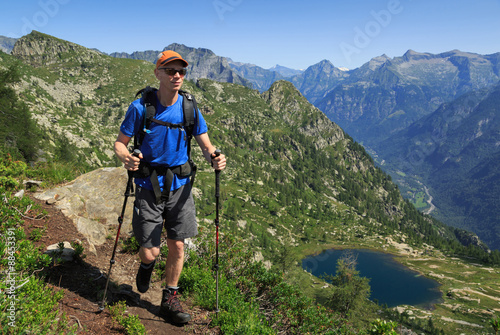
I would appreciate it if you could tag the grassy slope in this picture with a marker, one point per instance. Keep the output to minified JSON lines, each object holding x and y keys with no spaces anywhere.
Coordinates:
{"x":282,"y":185}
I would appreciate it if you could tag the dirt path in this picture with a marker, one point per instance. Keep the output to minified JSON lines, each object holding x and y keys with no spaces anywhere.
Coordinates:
{"x":83,"y":285}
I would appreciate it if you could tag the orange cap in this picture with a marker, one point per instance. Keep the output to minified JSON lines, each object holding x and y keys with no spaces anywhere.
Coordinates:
{"x":167,"y":57}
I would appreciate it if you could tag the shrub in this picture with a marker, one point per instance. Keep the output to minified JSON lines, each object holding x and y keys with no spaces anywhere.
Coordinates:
{"x":131,"y":323}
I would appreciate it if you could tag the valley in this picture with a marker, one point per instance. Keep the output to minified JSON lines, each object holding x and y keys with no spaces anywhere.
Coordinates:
{"x":385,"y":100}
{"x":297,"y":183}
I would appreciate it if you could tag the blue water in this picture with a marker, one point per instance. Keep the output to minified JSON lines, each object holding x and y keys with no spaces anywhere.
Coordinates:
{"x":391,"y":282}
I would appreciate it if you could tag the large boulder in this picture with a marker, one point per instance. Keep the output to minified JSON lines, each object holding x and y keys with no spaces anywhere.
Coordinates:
{"x":94,"y":202}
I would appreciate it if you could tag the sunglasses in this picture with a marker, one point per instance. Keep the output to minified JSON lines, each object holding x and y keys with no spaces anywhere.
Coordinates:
{"x":172,"y":72}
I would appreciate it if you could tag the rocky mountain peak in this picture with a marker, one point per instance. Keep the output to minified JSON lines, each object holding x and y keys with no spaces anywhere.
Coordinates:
{"x":39,"y":49}
{"x":325,"y":63}
{"x":325,"y":66}
{"x":203,"y":63}
{"x":373,"y":64}
{"x":286,"y":99}
{"x":278,"y":91}
{"x":285,"y":71}
{"x":413,"y":55}
{"x":185,"y":50}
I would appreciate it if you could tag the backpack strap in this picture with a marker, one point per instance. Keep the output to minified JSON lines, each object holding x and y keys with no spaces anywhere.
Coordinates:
{"x":190,"y":107}
{"x":148,"y":98}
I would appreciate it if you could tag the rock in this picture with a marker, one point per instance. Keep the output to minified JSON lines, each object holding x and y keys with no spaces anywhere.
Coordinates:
{"x":93,"y":230}
{"x":67,"y":252}
{"x":196,"y":193}
{"x":258,"y":257}
{"x":189,"y":244}
{"x":19,"y":194}
{"x":93,"y":202}
{"x":51,"y":201}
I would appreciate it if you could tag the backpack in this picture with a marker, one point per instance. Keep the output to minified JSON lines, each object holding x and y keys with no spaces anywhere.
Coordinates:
{"x":188,"y":169}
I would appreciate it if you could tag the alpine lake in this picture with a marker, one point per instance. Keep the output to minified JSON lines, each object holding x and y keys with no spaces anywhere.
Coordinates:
{"x":391,"y":283}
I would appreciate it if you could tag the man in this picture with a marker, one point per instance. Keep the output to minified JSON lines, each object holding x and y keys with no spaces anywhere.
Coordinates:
{"x":164,"y":147}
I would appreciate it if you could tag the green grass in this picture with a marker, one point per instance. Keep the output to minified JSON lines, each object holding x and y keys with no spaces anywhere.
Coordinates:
{"x":420,"y":201}
{"x":28,"y":305}
{"x":54,"y":172}
{"x":253,"y":300}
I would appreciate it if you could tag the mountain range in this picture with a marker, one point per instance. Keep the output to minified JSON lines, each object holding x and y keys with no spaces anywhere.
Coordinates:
{"x":386,"y":95}
{"x":7,"y":43}
{"x":383,"y":104}
{"x":456,"y":150}
{"x":78,"y":101}
{"x":294,"y":176}
{"x":381,"y":101}
{"x":203,"y":63}
{"x":378,"y":104}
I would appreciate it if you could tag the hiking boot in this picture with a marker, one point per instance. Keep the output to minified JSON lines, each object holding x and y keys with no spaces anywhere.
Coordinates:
{"x":171,"y":308}
{"x":143,"y":277}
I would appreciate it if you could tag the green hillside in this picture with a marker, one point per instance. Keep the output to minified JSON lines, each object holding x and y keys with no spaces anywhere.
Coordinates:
{"x":295,"y":183}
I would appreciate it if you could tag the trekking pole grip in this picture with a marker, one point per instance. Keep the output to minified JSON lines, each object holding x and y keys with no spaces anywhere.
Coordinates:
{"x":216,"y":153}
{"x":130,"y":174}
{"x":135,"y":153}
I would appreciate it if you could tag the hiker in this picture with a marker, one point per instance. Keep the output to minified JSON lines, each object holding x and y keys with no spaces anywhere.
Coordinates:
{"x":164,"y":159}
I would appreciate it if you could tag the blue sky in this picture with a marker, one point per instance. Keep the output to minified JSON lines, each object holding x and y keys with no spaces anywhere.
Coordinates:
{"x":291,"y":33}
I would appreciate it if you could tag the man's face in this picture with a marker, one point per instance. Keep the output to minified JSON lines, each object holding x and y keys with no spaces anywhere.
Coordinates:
{"x":169,"y":75}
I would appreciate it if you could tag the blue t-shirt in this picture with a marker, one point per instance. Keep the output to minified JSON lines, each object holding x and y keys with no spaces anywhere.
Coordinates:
{"x":163,"y":146}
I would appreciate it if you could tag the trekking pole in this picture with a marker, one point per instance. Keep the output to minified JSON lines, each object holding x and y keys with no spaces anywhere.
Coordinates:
{"x":216,"y":266}
{"x":128,"y":189}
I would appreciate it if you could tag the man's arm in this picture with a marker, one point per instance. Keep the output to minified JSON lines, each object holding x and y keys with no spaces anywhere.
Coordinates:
{"x":130,"y":162}
{"x":218,"y":163}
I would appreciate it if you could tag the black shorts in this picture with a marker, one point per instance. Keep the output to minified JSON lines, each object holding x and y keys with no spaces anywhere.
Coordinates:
{"x":178,"y":215}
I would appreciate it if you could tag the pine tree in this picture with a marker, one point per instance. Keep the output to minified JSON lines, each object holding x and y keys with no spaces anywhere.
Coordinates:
{"x":349,"y":291}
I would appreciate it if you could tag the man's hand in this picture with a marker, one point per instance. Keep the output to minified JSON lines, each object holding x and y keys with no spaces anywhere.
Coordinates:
{"x":218,"y":161}
{"x":131,"y":162}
